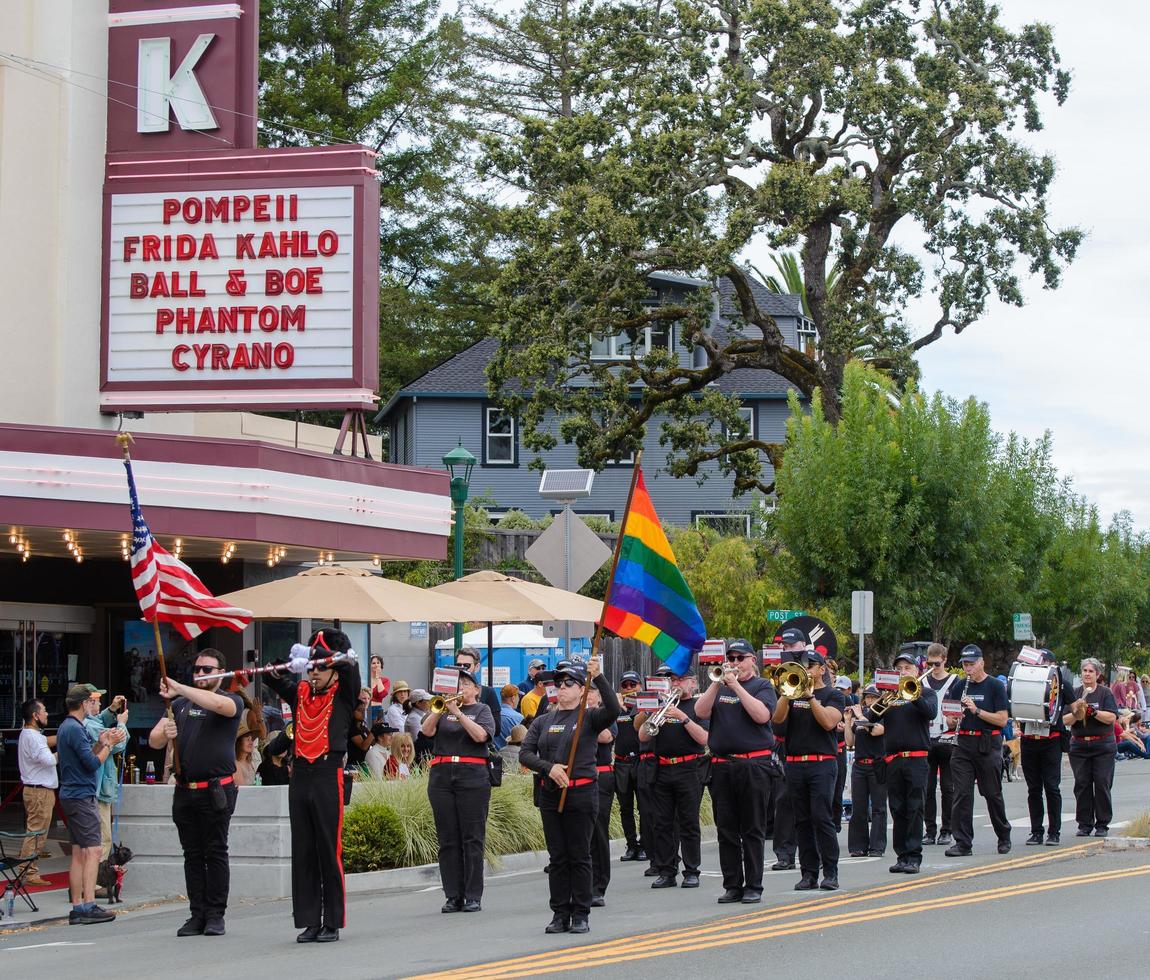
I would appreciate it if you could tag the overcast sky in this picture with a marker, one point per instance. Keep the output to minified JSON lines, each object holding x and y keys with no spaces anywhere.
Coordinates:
{"x":1077,"y":361}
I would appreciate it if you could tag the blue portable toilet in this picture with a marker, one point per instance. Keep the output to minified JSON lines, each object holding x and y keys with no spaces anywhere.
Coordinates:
{"x":516,"y":645}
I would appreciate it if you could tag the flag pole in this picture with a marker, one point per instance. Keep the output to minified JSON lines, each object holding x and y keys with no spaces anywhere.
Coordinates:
{"x":125,"y":440}
{"x":599,"y":625}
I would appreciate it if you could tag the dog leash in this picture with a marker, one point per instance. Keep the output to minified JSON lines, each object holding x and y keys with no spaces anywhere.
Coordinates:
{"x":120,"y":767}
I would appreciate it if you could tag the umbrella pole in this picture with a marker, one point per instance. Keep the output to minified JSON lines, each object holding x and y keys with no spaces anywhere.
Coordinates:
{"x":599,"y":627}
{"x":490,"y":654}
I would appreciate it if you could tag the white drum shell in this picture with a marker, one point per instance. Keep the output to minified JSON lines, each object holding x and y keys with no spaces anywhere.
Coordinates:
{"x":1028,"y":689}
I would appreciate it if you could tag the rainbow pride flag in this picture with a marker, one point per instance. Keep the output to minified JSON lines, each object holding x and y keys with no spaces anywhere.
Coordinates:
{"x":650,"y":600}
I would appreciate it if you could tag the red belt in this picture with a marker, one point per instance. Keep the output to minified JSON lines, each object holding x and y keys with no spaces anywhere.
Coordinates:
{"x":583,"y":782}
{"x":810,"y":758}
{"x":907,"y":755}
{"x":863,"y":762}
{"x":627,"y":758}
{"x":762,"y":753}
{"x":604,"y":768}
{"x":1039,"y":738}
{"x":646,"y":755}
{"x":677,"y":759}
{"x":842,"y":745}
{"x":469,"y":759}
{"x":1090,"y":738}
{"x":983,"y":731}
{"x":207,"y":782}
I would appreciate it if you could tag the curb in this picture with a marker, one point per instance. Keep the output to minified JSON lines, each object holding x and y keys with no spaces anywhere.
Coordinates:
{"x":56,"y":919}
{"x":1125,"y":843}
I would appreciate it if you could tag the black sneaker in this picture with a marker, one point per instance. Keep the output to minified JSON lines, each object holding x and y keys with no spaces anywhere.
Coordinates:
{"x":641,"y":856}
{"x":910,"y":868}
{"x":308,"y":935}
{"x":898,"y":867}
{"x":470,"y":905}
{"x":664,"y":881}
{"x":1082,"y":833}
{"x":327,"y":934}
{"x":829,"y":883}
{"x":651,"y":873}
{"x":1035,"y":838}
{"x":579,"y":924}
{"x":90,"y":917}
{"x":731,"y":896}
{"x":690,"y":879}
{"x":214,"y":926}
{"x":807,"y":883}
{"x":752,"y":896}
{"x":1004,"y":846}
{"x":945,"y":838}
{"x":1053,"y":839}
{"x":957,"y":851}
{"x":452,"y":905}
{"x":558,"y":924}
{"x":631,"y":854}
{"x":928,"y":839}
{"x":193,"y":927}
{"x":598,"y":901}
{"x":1102,"y":832}
{"x":783,"y":866}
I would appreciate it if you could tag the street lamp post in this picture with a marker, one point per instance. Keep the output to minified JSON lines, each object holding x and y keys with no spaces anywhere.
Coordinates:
{"x":459,"y":463}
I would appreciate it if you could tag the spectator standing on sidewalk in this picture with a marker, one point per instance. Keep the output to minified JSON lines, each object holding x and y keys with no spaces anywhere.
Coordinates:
{"x":38,"y":775}
{"x":107,"y":783}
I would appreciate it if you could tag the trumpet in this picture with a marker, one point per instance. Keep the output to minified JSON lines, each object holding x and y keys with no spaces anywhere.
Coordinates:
{"x":909,"y":689}
{"x":792,"y":681}
{"x":652,"y":725}
{"x":439,"y":703}
{"x":717,"y":673}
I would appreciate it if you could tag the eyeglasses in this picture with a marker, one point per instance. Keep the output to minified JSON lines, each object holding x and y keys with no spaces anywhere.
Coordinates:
{"x":630,"y":684}
{"x":568,"y":682}
{"x":732,"y":657}
{"x":204,"y":669}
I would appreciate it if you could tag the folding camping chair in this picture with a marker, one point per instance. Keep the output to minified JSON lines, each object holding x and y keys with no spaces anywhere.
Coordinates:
{"x":14,"y":869}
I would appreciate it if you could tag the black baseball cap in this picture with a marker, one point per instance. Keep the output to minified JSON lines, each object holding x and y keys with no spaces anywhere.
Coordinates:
{"x":577,"y":672}
{"x":870,"y":689}
{"x":740,"y":646}
{"x":793,"y":635}
{"x":970,"y":652}
{"x":664,"y":671}
{"x":631,"y":676}
{"x":906,"y":654}
{"x":470,"y":676}
{"x":812,"y":657}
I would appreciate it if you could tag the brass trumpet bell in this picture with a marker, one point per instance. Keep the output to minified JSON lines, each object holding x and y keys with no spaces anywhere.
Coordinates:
{"x":792,"y":681}
{"x":716,"y":673}
{"x":439,"y":703}
{"x":909,"y":689}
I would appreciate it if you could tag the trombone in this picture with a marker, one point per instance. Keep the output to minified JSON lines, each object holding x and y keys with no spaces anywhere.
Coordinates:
{"x":909,"y":689}
{"x":792,"y":681}
{"x":439,"y":703}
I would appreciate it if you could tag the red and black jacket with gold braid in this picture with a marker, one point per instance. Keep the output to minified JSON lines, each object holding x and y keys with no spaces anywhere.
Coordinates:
{"x":321,"y":721}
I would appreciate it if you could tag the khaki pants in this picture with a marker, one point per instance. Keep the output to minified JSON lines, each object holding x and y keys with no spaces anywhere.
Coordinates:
{"x":105,"y":829}
{"x":38,"y":805}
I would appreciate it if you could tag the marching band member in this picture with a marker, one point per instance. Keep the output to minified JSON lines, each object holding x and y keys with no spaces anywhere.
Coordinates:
{"x":1042,"y":765}
{"x":601,"y":834}
{"x":323,"y":707}
{"x":784,"y":841}
{"x":677,"y":791}
{"x":906,"y":738}
{"x":459,"y":790}
{"x":977,"y":758}
{"x":739,"y":709}
{"x":832,"y":678}
{"x":942,"y":738}
{"x":627,"y":772}
{"x":1091,"y":719}
{"x":545,"y":752}
{"x":866,"y":834}
{"x":812,"y":769}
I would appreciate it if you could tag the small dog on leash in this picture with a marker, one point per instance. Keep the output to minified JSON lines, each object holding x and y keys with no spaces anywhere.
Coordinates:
{"x":111,"y":874}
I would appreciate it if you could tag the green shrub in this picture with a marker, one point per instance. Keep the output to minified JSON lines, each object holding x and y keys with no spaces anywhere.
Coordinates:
{"x":371,"y":838}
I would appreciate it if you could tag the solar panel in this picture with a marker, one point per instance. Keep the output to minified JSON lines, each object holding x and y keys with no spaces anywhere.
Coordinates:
{"x":566,"y":484}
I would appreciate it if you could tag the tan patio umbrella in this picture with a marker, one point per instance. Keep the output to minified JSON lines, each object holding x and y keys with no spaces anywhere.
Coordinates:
{"x":332,"y":592}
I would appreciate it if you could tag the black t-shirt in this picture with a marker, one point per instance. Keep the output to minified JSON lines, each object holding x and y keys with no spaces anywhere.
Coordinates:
{"x":355,"y":755}
{"x":990,"y":695}
{"x":627,"y":739}
{"x":673,"y":740}
{"x":605,"y":751}
{"x":273,"y":775}
{"x":1101,"y":699}
{"x":206,"y":741}
{"x":867,"y":746}
{"x":805,"y":736}
{"x":549,"y":738}
{"x":731,"y":729}
{"x":907,"y":723}
{"x":452,"y":739}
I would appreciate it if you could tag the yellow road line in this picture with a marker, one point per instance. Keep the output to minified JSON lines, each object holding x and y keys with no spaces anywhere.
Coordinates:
{"x":561,"y":964}
{"x":726,"y":923}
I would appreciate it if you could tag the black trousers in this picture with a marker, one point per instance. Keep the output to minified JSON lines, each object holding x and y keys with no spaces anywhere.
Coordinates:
{"x":938,"y":773}
{"x":840,"y":786}
{"x":970,"y":768}
{"x":1093,"y":766}
{"x":867,"y":828}
{"x":601,"y":836}
{"x":906,"y":793}
{"x":460,"y":793}
{"x":631,"y":798}
{"x":1042,"y":769}
{"x":812,"y":789}
{"x":568,"y":836}
{"x":741,"y":795}
{"x":315,"y":803}
{"x":675,"y":797}
{"x":204,"y":838}
{"x":783,"y":841}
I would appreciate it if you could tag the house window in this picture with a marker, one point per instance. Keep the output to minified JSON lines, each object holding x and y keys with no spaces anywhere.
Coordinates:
{"x":498,"y":437}
{"x":607,"y":515}
{"x":808,"y":337}
{"x":628,"y":460}
{"x":747,"y":414}
{"x":495,"y":516}
{"x":724,"y":523}
{"x":620,"y":346}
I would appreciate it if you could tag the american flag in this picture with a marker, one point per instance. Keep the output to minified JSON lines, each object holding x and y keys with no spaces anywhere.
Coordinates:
{"x":168,"y":590}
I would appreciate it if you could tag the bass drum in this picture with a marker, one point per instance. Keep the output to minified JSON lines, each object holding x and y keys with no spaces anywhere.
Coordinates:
{"x":1034,"y":692}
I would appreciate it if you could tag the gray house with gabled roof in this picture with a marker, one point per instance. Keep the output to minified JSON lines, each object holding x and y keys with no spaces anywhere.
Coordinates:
{"x":450,"y":403}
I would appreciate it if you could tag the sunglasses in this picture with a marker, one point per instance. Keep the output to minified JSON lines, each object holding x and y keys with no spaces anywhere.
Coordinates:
{"x":934,"y":663}
{"x":568,"y":682}
{"x":314,"y":667}
{"x":732,"y":657}
{"x":630,"y":684}
{"x":205,"y":669}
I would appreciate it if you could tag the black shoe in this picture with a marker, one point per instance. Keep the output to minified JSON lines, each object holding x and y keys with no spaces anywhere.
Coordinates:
{"x":1004,"y":846}
{"x":929,"y":839}
{"x":875,"y":854}
{"x":558,"y":924}
{"x":957,"y":851}
{"x":1053,"y":840}
{"x":730,"y":896}
{"x":472,"y":905}
{"x":858,"y":854}
{"x":1102,"y":832}
{"x":690,"y":879}
{"x":598,"y":901}
{"x":193,"y":927}
{"x":651,"y":873}
{"x":664,"y":881}
{"x":579,"y":924}
{"x":452,"y":905}
{"x":910,"y":868}
{"x":899,"y":867}
{"x":1035,"y":838}
{"x":641,"y":855}
{"x":783,"y":866}
{"x":1082,"y":833}
{"x":308,"y":935}
{"x":214,"y":926}
{"x":752,"y":896}
{"x":327,"y":934}
{"x":806,"y":883}
{"x":945,"y":838}
{"x":547,"y":868}
{"x":94,"y":916}
{"x":631,"y":854}
{"x":830,"y":883}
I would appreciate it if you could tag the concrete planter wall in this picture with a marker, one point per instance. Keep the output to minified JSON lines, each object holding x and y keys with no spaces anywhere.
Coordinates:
{"x":259,"y":843}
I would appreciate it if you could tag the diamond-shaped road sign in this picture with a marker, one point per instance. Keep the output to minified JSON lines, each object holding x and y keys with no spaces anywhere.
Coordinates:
{"x":588,"y":553}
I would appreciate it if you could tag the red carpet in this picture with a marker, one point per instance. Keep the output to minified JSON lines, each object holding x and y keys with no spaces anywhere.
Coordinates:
{"x":58,"y":879}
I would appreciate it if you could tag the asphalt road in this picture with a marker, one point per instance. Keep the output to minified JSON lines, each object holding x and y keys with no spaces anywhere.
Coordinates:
{"x":1021,"y":915}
